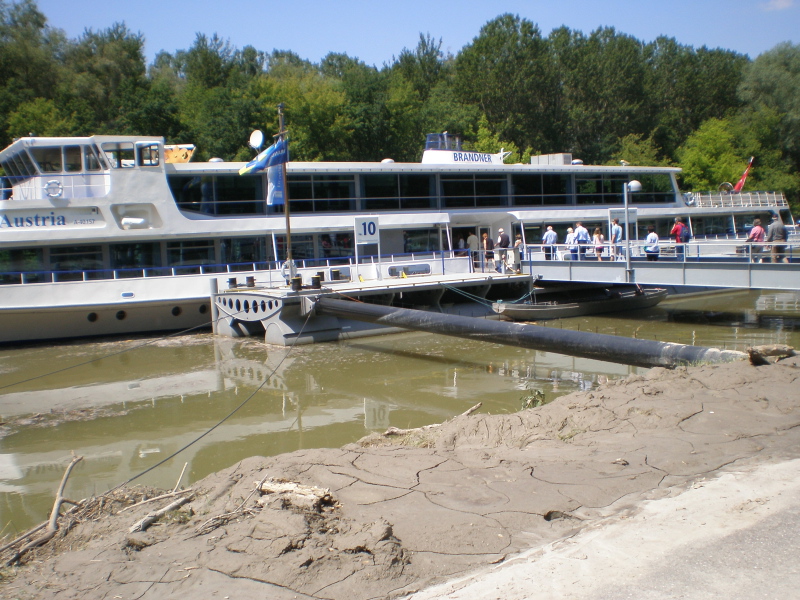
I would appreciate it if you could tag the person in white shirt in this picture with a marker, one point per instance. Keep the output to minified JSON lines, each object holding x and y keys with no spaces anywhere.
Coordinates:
{"x":571,"y":243}
{"x":583,"y":239}
{"x":651,"y":248}
{"x":616,"y":239}
{"x":549,"y":240}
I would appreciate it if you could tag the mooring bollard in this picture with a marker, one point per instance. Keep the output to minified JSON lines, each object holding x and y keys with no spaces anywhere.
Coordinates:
{"x":316,"y":283}
{"x":297,"y":284}
{"x":232,"y":283}
{"x":251,"y":282}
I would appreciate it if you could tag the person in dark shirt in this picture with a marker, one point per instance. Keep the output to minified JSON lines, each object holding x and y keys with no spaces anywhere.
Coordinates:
{"x":776,"y":235}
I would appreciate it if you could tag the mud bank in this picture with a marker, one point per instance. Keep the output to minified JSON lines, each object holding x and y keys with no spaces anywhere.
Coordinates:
{"x":392,"y":515}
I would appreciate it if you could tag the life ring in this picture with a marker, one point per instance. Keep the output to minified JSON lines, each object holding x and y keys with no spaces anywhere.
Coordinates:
{"x":53,"y":188}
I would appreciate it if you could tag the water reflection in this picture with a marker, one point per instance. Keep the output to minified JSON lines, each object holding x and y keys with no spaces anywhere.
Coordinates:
{"x":128,"y":406}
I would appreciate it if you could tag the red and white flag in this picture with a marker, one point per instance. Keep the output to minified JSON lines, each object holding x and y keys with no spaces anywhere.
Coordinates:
{"x":740,"y":184}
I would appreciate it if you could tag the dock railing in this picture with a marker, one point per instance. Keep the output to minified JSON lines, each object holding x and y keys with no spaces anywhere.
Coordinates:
{"x":696,"y":250}
{"x":271,"y":273}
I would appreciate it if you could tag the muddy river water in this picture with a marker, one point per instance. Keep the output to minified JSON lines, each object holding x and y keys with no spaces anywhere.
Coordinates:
{"x":126,"y":405}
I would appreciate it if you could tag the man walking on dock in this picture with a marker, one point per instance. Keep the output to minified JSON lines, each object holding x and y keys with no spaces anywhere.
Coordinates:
{"x":503,"y":242}
{"x":776,"y":235}
{"x":549,"y":240}
{"x":616,"y":239}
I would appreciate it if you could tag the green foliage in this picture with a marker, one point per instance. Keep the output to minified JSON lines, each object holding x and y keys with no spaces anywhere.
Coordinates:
{"x":636,"y":150}
{"x":604,"y":97}
{"x":38,"y":117}
{"x":709,"y":157}
{"x":533,"y":399}
{"x":773,"y":81}
{"x":490,"y":142}
{"x":510,"y":75}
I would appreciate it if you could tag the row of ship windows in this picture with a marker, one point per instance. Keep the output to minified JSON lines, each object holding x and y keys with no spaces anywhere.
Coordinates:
{"x":78,"y":158}
{"x":337,"y":193}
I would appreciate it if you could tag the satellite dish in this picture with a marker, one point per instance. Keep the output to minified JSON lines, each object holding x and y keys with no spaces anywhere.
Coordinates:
{"x":256,"y":139}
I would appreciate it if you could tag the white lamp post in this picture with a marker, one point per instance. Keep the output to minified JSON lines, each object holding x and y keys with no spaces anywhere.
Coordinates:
{"x":629,"y":187}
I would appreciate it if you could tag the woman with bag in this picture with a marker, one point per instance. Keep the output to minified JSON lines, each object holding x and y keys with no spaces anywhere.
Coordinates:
{"x":756,"y":235}
{"x":599,"y":242}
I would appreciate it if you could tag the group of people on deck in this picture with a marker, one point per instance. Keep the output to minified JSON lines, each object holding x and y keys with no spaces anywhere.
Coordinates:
{"x":776,"y":235}
{"x":502,"y":254}
{"x":578,"y":240}
{"x":507,"y":255}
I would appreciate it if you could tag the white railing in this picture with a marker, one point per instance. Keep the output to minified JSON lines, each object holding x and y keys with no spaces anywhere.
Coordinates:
{"x":369,"y":267}
{"x":706,"y":250}
{"x":741,"y":200}
{"x":61,"y":186}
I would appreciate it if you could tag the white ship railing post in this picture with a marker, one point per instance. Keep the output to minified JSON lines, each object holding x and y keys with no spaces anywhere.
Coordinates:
{"x":631,"y":186}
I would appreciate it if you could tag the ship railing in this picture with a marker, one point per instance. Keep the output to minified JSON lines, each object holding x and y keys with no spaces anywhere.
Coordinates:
{"x":736,"y":249}
{"x":740,"y":200}
{"x":276,"y":272}
{"x":59,"y":186}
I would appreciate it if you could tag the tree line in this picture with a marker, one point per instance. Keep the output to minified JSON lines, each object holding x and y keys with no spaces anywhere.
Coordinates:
{"x":604,"y":97}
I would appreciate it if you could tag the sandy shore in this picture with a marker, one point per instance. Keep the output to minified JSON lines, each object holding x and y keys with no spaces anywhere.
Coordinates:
{"x":598,"y":494}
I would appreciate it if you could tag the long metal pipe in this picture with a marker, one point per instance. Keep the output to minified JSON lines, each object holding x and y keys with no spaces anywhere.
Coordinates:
{"x":611,"y":348}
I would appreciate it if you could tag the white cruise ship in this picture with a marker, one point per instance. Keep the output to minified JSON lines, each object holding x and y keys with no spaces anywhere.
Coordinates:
{"x":108,"y":234}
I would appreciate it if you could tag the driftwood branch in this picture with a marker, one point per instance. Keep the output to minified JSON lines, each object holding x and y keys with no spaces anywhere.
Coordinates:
{"x":155,"y":498}
{"x":24,"y":536}
{"x":178,"y":484}
{"x":397,"y":431}
{"x":220,"y":520}
{"x":758,"y":354}
{"x":154,"y":516}
{"x":308,"y":497}
{"x":52,"y":524}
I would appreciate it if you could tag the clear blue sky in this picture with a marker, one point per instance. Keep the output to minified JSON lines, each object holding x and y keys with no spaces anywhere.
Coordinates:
{"x":374,"y":30}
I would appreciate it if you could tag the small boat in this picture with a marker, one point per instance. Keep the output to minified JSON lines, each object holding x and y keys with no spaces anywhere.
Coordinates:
{"x":605,"y":301}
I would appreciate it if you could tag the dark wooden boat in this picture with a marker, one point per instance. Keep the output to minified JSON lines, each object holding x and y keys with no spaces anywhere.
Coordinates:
{"x":604,"y":301}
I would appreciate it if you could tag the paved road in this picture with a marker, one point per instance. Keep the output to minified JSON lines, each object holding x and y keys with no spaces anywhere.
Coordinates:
{"x":732,"y":537}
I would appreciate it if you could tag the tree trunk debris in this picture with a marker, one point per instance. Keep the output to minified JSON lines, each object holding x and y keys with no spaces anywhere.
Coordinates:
{"x":52,"y":524}
{"x":154,"y":516}
{"x":397,"y":431}
{"x":758,"y":354}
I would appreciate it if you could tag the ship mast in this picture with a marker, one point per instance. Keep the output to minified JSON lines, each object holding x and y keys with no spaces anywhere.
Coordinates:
{"x":281,"y":135}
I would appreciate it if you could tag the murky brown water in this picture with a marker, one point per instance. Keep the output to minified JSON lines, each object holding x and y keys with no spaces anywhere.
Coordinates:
{"x":131,"y":404}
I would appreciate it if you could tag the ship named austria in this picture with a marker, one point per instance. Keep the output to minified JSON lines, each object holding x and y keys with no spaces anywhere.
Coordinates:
{"x":106,"y":234}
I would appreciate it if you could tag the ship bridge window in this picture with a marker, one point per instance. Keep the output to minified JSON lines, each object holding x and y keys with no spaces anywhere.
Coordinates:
{"x":219,"y":194}
{"x":190,"y":253}
{"x":381,"y":192}
{"x":119,"y":154}
{"x":48,"y":159}
{"x":72,"y":159}
{"x":398,"y":192}
{"x":600,"y":189}
{"x":540,"y":190}
{"x":471,"y":191}
{"x":76,"y":263}
{"x":129,"y":260}
{"x":16,"y":262}
{"x":19,"y":167}
{"x":656,"y":188}
{"x":417,"y":192}
{"x":321,"y":193}
{"x":240,"y":254}
{"x":92,"y":159}
{"x":147,"y":155}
